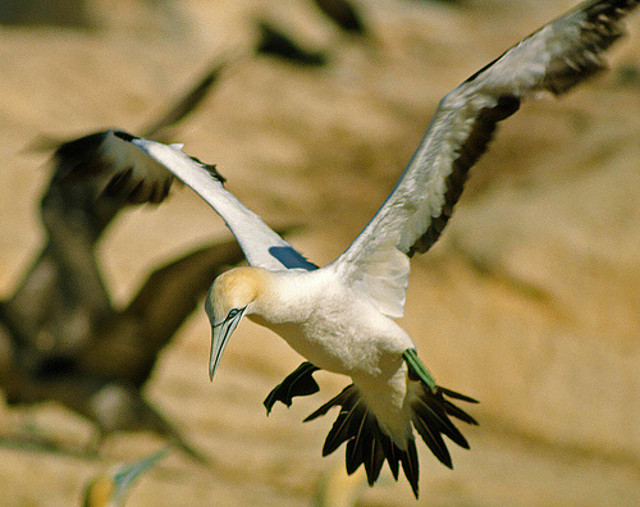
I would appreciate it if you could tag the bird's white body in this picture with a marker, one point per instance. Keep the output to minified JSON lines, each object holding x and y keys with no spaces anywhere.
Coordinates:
{"x":336,"y":329}
{"x":329,"y":323}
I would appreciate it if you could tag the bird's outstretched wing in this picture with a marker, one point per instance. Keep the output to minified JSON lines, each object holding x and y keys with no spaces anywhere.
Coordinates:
{"x":553,"y":60}
{"x":262,"y":246}
{"x":119,"y":168}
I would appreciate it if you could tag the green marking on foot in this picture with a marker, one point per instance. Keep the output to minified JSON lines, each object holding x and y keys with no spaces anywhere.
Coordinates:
{"x":419,"y":369}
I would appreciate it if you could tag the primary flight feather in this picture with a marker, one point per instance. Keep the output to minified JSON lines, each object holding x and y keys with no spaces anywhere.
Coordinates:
{"x":340,"y":317}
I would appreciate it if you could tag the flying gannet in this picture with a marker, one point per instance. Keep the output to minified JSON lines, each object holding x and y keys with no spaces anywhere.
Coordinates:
{"x":341,"y":317}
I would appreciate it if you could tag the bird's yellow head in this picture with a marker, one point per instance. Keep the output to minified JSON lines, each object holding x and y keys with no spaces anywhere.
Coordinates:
{"x":230,"y":298}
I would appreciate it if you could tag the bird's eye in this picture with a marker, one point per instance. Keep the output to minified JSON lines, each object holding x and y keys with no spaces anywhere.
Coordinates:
{"x":233,"y":313}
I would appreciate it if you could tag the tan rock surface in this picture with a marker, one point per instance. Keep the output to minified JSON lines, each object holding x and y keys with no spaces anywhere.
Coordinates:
{"x":530,"y":302}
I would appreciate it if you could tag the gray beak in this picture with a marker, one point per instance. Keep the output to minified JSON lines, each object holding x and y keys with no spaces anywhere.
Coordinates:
{"x":220,"y":334}
{"x":124,"y":478}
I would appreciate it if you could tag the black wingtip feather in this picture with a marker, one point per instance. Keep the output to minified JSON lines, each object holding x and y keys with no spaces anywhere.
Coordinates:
{"x":346,"y":425}
{"x":456,"y":395}
{"x":410,"y":466}
{"x":373,"y":464}
{"x":434,"y":441}
{"x":391,"y":452}
{"x":458,"y":413}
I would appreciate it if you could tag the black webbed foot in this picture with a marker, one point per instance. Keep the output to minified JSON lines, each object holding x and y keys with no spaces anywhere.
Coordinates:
{"x":298,"y":383}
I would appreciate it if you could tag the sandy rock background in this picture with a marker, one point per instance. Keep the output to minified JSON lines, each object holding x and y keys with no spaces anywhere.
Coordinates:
{"x":530,"y":302}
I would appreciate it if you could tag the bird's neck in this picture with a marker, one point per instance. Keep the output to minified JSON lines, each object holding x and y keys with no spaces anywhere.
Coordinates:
{"x":288,"y":297}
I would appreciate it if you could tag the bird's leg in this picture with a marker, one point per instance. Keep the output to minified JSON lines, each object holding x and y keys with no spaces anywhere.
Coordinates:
{"x":298,"y":383}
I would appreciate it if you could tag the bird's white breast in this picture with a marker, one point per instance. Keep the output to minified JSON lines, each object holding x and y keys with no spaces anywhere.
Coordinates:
{"x":336,"y":328}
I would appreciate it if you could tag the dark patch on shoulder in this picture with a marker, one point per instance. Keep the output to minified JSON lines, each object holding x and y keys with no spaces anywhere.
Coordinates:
{"x":290,"y":258}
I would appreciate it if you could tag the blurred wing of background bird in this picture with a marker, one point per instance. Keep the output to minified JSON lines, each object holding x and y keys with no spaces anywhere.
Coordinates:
{"x":344,"y":14}
{"x":185,"y":104}
{"x":273,"y":41}
{"x":127,"y":346}
{"x":62,"y":297}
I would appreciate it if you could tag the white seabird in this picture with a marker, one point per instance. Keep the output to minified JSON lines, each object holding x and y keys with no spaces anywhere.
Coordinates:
{"x":340,"y":317}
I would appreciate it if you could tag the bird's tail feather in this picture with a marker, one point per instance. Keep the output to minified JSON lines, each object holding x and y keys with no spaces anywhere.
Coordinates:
{"x":430,"y":417}
{"x":368,"y":444}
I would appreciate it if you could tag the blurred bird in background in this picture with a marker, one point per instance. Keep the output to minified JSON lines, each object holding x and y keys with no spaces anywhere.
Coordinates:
{"x":111,"y":488}
{"x":64,"y":339}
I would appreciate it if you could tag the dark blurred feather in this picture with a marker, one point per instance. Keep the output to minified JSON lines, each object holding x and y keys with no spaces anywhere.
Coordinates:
{"x":186,"y":103}
{"x":344,"y":14}
{"x":127,"y":345}
{"x":274,"y":42}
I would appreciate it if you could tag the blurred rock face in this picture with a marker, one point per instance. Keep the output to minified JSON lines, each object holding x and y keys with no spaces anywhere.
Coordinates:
{"x":43,"y":12}
{"x":529,"y":302}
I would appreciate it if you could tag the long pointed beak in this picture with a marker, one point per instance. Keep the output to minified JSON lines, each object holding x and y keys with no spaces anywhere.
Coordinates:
{"x":220,"y":334}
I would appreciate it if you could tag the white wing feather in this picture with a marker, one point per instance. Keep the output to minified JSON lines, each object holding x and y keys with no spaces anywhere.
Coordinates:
{"x":262,"y":246}
{"x":553,"y":59}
